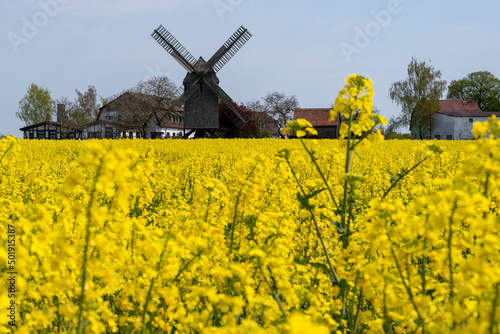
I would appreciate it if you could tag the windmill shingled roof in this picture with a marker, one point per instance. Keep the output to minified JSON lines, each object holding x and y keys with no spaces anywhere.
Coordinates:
{"x":316,"y":116}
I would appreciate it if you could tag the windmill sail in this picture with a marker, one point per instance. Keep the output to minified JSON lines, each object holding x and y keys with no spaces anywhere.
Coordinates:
{"x":237,"y":117}
{"x":229,"y":49}
{"x":174,"y":48}
{"x":202,"y":94}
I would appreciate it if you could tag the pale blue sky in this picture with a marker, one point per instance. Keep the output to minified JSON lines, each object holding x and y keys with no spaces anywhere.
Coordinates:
{"x":305,"y":48}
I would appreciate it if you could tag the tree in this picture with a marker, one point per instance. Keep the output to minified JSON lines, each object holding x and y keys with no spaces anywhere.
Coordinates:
{"x":391,"y":128}
{"x":418,"y":95}
{"x":483,"y":87}
{"x":83,"y":110}
{"x":63,"y":110}
{"x":139,"y":106}
{"x":35,"y":106}
{"x":278,"y":105}
{"x":86,"y":108}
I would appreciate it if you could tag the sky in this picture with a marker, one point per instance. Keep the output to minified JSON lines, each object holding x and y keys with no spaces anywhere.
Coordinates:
{"x":302,"y":48}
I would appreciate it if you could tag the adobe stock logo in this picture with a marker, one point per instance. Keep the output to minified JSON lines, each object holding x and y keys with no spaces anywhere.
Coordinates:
{"x":363,"y":36}
{"x":224,"y":6}
{"x":154,"y":72}
{"x":30,"y":28}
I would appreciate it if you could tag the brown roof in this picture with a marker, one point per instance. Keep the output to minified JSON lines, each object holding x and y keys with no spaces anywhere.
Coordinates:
{"x":261,"y":116}
{"x":463,"y":108}
{"x":316,"y":116}
{"x":266,"y":122}
{"x":161,"y":113}
{"x":68,"y":125}
{"x":470,"y":113}
{"x":458,"y":105}
{"x":165,"y":121}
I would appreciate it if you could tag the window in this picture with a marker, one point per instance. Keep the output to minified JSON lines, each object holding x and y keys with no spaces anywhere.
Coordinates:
{"x":32,"y":135}
{"x":71,"y":135}
{"x":40,"y":134}
{"x":52,"y":134}
{"x":179,"y":134}
{"x":156,"y":135}
{"x":471,"y":120}
{"x":109,"y":118}
{"x":96,"y":135}
{"x":449,"y":137}
{"x":437,"y":137}
{"x":138,"y":134}
{"x":109,"y":132}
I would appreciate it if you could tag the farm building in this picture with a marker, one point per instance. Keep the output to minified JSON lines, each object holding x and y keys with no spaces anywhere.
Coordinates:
{"x":130,"y":115}
{"x":320,"y":120}
{"x":266,"y":124}
{"x":52,"y":130}
{"x":454,"y":120}
{"x":135,"y":115}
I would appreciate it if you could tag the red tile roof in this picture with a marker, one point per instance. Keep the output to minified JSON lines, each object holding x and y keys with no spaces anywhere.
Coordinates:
{"x":470,"y":113}
{"x":316,"y":116}
{"x":463,"y":108}
{"x":458,"y":105}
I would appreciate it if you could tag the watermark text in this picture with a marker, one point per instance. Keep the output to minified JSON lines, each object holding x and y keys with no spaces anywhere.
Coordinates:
{"x":31,"y":26}
{"x":11,"y":277}
{"x":363,"y":36}
{"x":222,"y":7}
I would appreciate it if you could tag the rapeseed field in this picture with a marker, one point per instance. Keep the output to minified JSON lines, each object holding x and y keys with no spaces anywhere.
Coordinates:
{"x":358,"y":235}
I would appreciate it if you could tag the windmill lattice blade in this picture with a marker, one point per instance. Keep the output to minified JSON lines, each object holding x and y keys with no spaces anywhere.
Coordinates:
{"x":174,"y":48}
{"x":178,"y":92}
{"x":237,"y":117}
{"x":229,"y":49}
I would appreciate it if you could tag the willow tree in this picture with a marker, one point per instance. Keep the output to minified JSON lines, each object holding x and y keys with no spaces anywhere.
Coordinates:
{"x":418,"y":95}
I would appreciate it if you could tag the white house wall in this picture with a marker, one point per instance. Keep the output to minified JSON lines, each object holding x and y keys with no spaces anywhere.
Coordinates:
{"x":166,"y":132}
{"x":452,"y":127}
{"x":463,"y":126}
{"x":442,"y":126}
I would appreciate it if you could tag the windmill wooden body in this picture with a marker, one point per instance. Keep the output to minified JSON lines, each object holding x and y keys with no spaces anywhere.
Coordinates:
{"x":201,"y":90}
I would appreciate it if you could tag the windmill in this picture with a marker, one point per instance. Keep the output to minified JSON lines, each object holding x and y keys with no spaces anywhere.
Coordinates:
{"x":201,"y":86}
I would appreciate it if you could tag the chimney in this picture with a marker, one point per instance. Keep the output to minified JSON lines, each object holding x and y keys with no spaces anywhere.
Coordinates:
{"x":61,"y":110}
